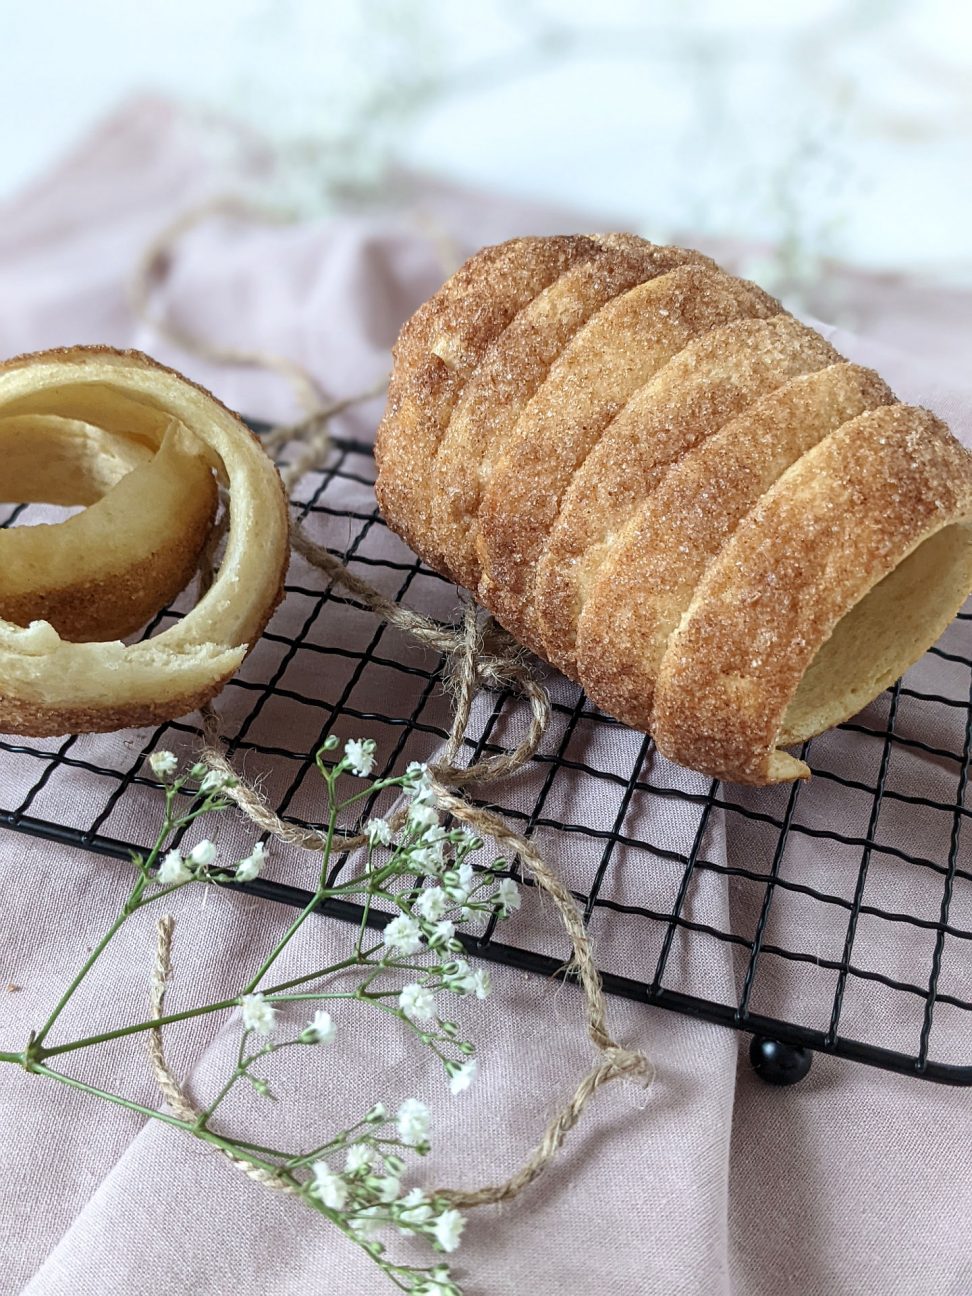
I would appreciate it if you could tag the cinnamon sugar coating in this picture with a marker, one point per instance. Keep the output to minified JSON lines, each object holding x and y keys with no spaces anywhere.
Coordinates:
{"x":712,"y":379}
{"x":511,"y":371}
{"x":833,"y":526}
{"x":661,"y":482}
{"x":615,"y":354}
{"x":650,"y":574}
{"x":438,"y":350}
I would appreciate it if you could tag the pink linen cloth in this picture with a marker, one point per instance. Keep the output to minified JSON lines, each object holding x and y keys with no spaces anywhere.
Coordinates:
{"x":855,"y":1182}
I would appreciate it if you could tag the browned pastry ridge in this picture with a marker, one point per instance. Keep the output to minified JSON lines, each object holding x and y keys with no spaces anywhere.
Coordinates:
{"x":676,"y":493}
{"x":512,"y":369}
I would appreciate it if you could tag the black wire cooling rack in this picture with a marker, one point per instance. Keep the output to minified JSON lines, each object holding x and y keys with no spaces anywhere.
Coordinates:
{"x":833,"y":916}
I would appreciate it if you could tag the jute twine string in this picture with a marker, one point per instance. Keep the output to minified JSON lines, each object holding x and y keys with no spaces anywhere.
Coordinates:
{"x":171,"y":1090}
{"x":477,"y":655}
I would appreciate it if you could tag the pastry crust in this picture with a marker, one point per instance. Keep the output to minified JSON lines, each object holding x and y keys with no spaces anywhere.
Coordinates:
{"x":651,"y":572}
{"x":511,"y":371}
{"x":437,"y":351}
{"x":706,"y":384}
{"x":614,"y":355}
{"x":835,"y":525}
{"x":690,"y":502}
{"x":51,"y":686}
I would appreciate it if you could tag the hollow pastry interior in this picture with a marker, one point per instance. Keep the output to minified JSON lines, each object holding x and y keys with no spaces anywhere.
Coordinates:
{"x":883,"y":635}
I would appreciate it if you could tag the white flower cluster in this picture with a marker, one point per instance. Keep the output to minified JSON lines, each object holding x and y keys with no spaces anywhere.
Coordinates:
{"x":321,"y":1029}
{"x":368,"y":1191}
{"x":164,"y":765}
{"x":258,"y":1013}
{"x":176,"y":868}
{"x":359,"y":756}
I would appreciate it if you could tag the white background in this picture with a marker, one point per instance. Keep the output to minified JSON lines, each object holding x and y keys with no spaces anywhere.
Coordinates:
{"x":840,"y":128}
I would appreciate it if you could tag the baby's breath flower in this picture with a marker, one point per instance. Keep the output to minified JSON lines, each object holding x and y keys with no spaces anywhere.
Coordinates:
{"x":203,"y":853}
{"x":329,"y":1188}
{"x":378,"y":832}
{"x":423,"y":815}
{"x":447,"y":1229}
{"x":459,"y":977}
{"x":481,"y":983}
{"x":360,"y":755}
{"x":414,"y":1207}
{"x":377,"y":1114}
{"x":358,"y":1158}
{"x":258,"y":1015}
{"x":432,"y":903}
{"x":459,"y":882}
{"x":461,"y":1075}
{"x":417,"y":1002}
{"x":212,"y":781}
{"x":404,"y":934}
{"x":366,"y":1223}
{"x":321,"y":1029}
{"x":412,"y":1119}
{"x":442,"y":933}
{"x":173,"y":870}
{"x":418,"y":781}
{"x":252,"y":866}
{"x":387,"y":1188}
{"x":163,"y":764}
{"x":507,"y":897}
{"x":426,"y":858}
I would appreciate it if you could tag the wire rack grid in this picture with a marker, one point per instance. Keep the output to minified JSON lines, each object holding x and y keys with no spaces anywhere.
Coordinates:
{"x":836,"y":915}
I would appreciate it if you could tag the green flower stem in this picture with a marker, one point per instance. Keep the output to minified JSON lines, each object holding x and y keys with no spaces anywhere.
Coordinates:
{"x":420,"y":1032}
{"x":207,"y":1136}
{"x":188,"y":1013}
{"x":317,"y":994}
{"x":158,"y":895}
{"x":365,"y":911}
{"x":353,"y":961}
{"x":308,"y":909}
{"x":243,"y":1065}
{"x":128,"y":908}
{"x":342,"y":1140}
{"x":379,"y":786}
{"x":288,"y":935}
{"x":120,"y":1031}
{"x":236,"y":1075}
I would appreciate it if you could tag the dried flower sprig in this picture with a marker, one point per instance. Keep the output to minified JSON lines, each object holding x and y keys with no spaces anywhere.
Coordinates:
{"x":418,"y":883}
